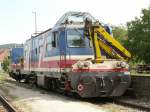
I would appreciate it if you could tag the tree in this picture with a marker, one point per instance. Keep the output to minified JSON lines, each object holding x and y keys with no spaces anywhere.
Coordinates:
{"x":5,"y":64}
{"x":120,"y":33}
{"x":139,"y":37}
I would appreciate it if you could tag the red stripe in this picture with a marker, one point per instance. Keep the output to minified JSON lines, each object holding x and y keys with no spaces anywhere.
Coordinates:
{"x":57,"y":63}
{"x":69,"y":63}
{"x":52,"y":64}
{"x":16,"y":66}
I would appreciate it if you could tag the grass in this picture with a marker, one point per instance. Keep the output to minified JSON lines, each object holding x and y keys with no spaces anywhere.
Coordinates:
{"x":134,"y":73}
{"x":4,"y":86}
{"x":2,"y":82}
{"x":2,"y":75}
{"x":143,"y":74}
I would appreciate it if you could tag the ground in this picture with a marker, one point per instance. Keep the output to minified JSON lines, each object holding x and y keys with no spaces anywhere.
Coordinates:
{"x":28,"y":99}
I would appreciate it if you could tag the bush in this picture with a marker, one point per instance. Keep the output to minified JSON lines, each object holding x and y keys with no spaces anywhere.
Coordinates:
{"x":6,"y":64}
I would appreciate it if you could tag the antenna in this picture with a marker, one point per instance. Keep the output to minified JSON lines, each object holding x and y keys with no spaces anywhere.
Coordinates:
{"x":35,"y":20}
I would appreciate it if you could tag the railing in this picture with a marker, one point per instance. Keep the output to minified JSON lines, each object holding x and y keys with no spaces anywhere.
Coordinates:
{"x":143,"y":68}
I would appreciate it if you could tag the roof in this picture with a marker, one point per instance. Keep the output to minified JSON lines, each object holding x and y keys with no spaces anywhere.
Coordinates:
{"x":74,"y":18}
{"x":42,"y":33}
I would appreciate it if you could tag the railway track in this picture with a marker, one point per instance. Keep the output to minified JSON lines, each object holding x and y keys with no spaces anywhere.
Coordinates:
{"x":131,"y":105}
{"x":120,"y":102}
{"x":97,"y":100}
{"x":7,"y":105}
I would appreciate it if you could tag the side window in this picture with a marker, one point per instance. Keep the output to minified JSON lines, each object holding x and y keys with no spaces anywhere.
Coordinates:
{"x":36,"y":51}
{"x":36,"y":46}
{"x":49,"y":42}
{"x":54,"y":39}
{"x":40,"y":44}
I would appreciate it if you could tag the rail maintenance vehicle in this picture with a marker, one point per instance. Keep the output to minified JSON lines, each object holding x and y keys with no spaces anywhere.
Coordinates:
{"x":78,"y":55}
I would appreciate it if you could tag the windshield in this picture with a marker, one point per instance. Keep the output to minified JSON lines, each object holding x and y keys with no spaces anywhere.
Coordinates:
{"x":76,"y":18}
{"x":75,"y":38}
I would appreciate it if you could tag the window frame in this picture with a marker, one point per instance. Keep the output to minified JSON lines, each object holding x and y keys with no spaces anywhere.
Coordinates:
{"x":83,"y":38}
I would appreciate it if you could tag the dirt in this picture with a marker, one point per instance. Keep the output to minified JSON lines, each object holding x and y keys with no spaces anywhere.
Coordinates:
{"x":2,"y":109}
{"x":35,"y":101}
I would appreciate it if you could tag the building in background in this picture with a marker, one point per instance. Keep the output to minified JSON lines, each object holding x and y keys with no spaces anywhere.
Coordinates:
{"x":4,"y":53}
{"x":10,"y":46}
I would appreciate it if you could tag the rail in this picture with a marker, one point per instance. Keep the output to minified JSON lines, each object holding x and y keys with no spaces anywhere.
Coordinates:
{"x":7,"y":105}
{"x":132,"y":105}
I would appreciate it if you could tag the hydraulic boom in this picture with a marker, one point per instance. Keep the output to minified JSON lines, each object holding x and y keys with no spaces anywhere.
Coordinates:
{"x":101,"y":39}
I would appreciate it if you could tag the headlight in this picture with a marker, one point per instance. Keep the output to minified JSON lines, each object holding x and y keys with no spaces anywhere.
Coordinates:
{"x":80,"y":64}
{"x":87,"y":64}
{"x":123,"y":64}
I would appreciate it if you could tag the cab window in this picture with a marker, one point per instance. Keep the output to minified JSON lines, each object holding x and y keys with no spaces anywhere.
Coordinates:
{"x":75,"y":38}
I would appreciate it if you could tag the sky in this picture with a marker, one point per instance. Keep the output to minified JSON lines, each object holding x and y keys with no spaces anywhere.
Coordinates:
{"x":17,"y":17}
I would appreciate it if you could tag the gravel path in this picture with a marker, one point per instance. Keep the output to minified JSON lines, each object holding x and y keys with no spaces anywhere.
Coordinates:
{"x":34,"y":101}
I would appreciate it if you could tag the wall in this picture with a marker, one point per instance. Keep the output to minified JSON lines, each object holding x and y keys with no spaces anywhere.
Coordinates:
{"x":141,"y":86}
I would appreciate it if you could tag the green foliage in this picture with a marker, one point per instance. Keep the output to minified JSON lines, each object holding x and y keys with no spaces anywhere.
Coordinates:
{"x":120,"y":33}
{"x":139,"y":37}
{"x":5,"y":64}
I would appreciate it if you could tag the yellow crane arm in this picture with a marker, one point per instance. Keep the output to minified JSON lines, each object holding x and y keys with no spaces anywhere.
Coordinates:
{"x":101,"y":39}
{"x":109,"y":50}
{"x":114,"y":43}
